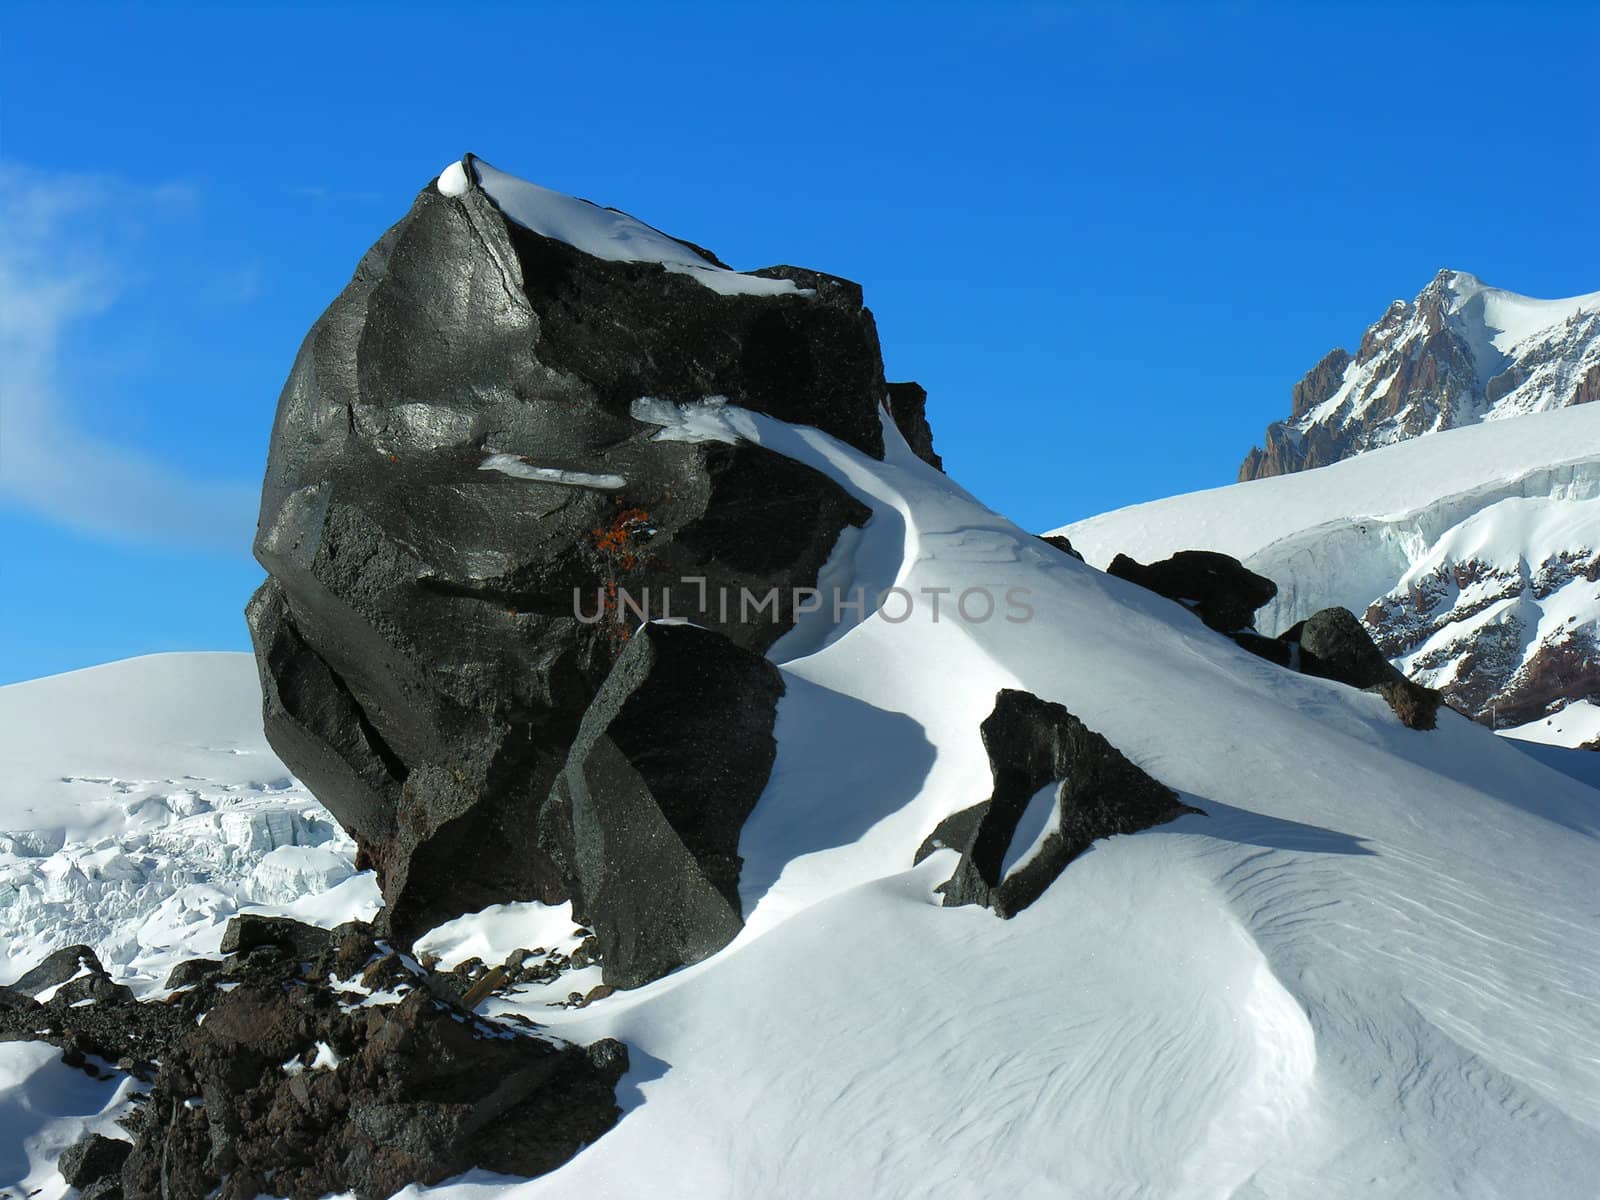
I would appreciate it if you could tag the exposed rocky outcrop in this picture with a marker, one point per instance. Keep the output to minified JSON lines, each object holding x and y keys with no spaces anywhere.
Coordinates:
{"x":908,"y":405}
{"x":1060,"y":543}
{"x":1033,"y":744}
{"x":94,"y":1164}
{"x":309,"y":1061}
{"x":1459,"y":353}
{"x":1216,"y":587}
{"x":669,"y":761}
{"x":464,"y":520}
{"x":70,"y":1001}
{"x":1333,"y":644}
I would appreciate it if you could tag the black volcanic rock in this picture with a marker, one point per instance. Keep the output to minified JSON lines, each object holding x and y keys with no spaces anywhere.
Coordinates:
{"x":1220,"y":590}
{"x":1033,"y":743}
{"x":290,"y":1086}
{"x":96,"y":1022}
{"x":457,"y":482}
{"x":669,"y":761}
{"x":908,"y":405}
{"x":1333,"y":644}
{"x":1063,"y":544}
{"x":94,"y":1160}
{"x":57,"y":968}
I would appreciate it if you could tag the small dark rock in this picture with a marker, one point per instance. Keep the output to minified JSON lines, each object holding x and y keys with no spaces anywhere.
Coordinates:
{"x":60,"y":966}
{"x":908,"y":405}
{"x":1061,"y":543}
{"x":1333,"y":644}
{"x":1032,"y":743}
{"x":12,"y":1000}
{"x":92,"y":1159}
{"x":249,"y":932}
{"x":1218,"y":588}
{"x":192,"y":972}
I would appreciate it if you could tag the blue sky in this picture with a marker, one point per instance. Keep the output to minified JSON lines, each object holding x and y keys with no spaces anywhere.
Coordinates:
{"x":1107,"y":239}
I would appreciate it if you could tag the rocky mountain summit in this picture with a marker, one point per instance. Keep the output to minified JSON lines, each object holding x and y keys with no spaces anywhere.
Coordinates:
{"x":1460,"y":353}
{"x":1498,"y":607}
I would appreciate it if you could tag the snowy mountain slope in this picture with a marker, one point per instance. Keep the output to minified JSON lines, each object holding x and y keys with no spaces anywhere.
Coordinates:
{"x":1460,"y":353}
{"x":1472,"y":555}
{"x":1322,"y":987}
{"x":1578,"y":723}
{"x":141,"y":807}
{"x":1369,"y":970}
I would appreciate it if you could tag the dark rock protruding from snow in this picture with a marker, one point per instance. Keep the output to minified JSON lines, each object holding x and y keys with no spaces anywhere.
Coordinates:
{"x":908,"y":405}
{"x":1033,"y":744}
{"x":1333,"y":644}
{"x":462,"y":517}
{"x":1220,"y":590}
{"x":292,"y":1086}
{"x":94,"y":1020}
{"x":1062,"y":544}
{"x":58,"y":967}
{"x":669,"y":761}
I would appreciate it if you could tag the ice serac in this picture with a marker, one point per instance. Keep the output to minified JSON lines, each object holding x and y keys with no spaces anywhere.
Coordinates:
{"x":1460,"y":353}
{"x":462,"y":519}
{"x":669,"y":762}
{"x":1034,"y":744}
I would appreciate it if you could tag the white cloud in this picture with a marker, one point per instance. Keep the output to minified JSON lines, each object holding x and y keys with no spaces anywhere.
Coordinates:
{"x":58,"y":267}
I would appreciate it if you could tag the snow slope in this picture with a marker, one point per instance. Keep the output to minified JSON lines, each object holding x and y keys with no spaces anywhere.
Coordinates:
{"x":1371,"y":969}
{"x":1471,"y":553}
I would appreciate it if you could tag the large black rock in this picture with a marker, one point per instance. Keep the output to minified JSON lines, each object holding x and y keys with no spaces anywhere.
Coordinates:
{"x":1218,"y":588}
{"x":1033,"y":743}
{"x":669,"y":761}
{"x":423,"y":663}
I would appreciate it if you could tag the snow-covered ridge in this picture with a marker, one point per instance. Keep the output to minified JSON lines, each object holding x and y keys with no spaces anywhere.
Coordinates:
{"x":1460,"y":353}
{"x":1415,"y":537}
{"x":602,"y":232}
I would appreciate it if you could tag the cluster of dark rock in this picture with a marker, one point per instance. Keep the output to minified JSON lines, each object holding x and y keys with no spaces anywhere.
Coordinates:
{"x":307,"y":1061}
{"x":1331,"y":644}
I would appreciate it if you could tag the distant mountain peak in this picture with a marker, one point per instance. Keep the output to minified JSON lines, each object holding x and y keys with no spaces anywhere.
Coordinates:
{"x":1461,"y":352}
